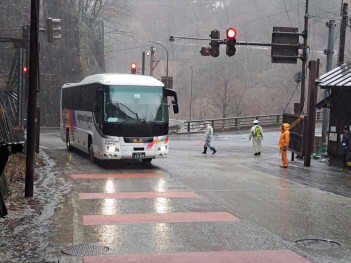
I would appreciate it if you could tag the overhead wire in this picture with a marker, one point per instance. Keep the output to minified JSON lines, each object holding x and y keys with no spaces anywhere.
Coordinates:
{"x":287,"y":13}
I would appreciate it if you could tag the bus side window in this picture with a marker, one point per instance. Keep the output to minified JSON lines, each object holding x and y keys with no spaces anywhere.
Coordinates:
{"x":98,"y":107}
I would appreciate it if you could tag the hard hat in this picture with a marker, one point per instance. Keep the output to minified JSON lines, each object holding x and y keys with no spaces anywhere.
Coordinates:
{"x":207,"y":122}
{"x":256,"y":122}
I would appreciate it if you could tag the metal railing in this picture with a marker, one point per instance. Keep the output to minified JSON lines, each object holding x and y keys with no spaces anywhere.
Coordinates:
{"x":239,"y":122}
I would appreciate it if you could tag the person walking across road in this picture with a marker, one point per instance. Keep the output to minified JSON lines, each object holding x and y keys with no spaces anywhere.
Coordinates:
{"x":345,"y":142}
{"x":284,"y":143}
{"x":208,"y":138}
{"x":257,"y":133}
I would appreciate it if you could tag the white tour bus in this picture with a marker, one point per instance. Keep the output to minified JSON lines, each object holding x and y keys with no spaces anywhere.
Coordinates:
{"x":117,"y":116}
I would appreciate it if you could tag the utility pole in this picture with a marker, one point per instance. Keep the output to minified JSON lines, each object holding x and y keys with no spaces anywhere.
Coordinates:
{"x":152,"y":57}
{"x":329,"y":52}
{"x":311,"y":112}
{"x":342,"y":34}
{"x":143,"y":64}
{"x":23,"y":95}
{"x":32,"y":96}
{"x":304,"y":60}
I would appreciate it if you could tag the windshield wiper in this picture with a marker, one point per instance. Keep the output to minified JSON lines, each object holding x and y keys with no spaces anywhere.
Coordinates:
{"x":129,"y":112}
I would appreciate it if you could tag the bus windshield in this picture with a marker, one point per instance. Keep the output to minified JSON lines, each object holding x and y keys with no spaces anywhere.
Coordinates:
{"x":135,"y":103}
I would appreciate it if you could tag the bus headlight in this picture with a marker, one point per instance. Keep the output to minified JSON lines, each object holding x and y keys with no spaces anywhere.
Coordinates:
{"x":111,"y":149}
{"x":162,"y":148}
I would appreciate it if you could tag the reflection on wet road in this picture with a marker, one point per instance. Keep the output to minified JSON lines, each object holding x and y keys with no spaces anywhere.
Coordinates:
{"x":190,"y":207}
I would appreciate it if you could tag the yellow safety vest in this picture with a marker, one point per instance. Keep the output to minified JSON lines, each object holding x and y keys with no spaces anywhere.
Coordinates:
{"x":258,"y":131}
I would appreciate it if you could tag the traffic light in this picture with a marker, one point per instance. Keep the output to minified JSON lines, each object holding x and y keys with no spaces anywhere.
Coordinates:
{"x":205,"y":51}
{"x":215,"y":35}
{"x":25,"y":70}
{"x":53,"y":29}
{"x":133,"y":68}
{"x":230,"y":42}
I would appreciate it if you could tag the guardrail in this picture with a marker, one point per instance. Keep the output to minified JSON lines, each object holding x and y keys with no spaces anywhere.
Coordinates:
{"x":239,"y":122}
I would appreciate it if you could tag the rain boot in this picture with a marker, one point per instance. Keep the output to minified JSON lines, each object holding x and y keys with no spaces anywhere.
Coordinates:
{"x":213,"y":149}
{"x":205,"y":150}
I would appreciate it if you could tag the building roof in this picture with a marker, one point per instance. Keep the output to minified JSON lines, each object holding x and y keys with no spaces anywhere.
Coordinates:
{"x":336,"y":78}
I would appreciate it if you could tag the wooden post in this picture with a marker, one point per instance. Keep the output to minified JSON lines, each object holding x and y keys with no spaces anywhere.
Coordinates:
{"x":32,"y":96}
{"x":311,"y":113}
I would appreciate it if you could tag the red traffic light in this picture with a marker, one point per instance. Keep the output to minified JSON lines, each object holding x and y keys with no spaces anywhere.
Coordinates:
{"x":25,"y":70}
{"x":133,"y":68}
{"x":231,"y":33}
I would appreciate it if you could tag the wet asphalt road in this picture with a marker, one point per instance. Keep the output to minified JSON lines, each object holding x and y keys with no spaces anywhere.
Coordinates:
{"x":269,"y":208}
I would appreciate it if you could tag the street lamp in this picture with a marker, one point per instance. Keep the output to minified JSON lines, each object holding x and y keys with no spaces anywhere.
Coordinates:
{"x":191,"y":87}
{"x":167,"y":59}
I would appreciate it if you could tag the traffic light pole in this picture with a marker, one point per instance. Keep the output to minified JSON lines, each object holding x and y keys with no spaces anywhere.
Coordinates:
{"x":166,"y":58}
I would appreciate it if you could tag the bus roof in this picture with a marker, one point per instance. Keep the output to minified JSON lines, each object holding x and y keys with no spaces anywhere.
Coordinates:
{"x":119,"y":79}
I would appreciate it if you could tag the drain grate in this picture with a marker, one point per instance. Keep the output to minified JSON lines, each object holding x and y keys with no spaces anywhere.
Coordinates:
{"x":84,"y":250}
{"x":318,"y":243}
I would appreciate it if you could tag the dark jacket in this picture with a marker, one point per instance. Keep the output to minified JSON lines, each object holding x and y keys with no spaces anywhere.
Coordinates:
{"x":345,"y":141}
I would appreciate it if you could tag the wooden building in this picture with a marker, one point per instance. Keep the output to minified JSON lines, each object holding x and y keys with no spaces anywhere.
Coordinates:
{"x":338,"y":83}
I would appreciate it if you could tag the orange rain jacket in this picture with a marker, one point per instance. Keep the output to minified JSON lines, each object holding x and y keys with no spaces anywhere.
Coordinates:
{"x":285,"y":137}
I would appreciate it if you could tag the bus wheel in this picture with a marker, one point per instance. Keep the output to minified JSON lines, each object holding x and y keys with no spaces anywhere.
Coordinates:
{"x":68,"y":141}
{"x":91,"y":153}
{"x":146,"y":161}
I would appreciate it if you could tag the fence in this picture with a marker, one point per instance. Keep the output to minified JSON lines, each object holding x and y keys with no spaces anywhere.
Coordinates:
{"x":239,"y":122}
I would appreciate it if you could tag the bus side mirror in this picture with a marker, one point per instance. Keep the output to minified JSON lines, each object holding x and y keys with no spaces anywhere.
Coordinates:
{"x":175,"y":107}
{"x":173,"y":93}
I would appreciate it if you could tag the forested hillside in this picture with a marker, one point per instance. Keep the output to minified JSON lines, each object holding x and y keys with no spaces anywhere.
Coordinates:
{"x":77,"y":54}
{"x":108,"y":35}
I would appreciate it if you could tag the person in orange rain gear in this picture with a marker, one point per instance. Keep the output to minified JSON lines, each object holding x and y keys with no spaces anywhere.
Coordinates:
{"x":284,"y":143}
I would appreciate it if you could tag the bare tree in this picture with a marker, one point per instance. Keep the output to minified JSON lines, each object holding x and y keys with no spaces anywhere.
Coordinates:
{"x":90,"y":11}
{"x":228,"y":98}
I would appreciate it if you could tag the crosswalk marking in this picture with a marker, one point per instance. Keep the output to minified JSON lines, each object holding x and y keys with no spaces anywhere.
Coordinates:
{"x":258,"y":256}
{"x":106,"y":176}
{"x":133,"y":195}
{"x":158,"y":218}
{"x":255,"y":256}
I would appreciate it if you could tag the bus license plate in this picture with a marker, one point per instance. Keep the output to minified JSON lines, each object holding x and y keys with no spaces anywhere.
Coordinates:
{"x":138,"y":155}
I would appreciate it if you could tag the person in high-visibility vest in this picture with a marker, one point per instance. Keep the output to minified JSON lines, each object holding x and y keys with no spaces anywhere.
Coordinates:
{"x":256,"y":133}
{"x":208,"y":138}
{"x":284,"y":143}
